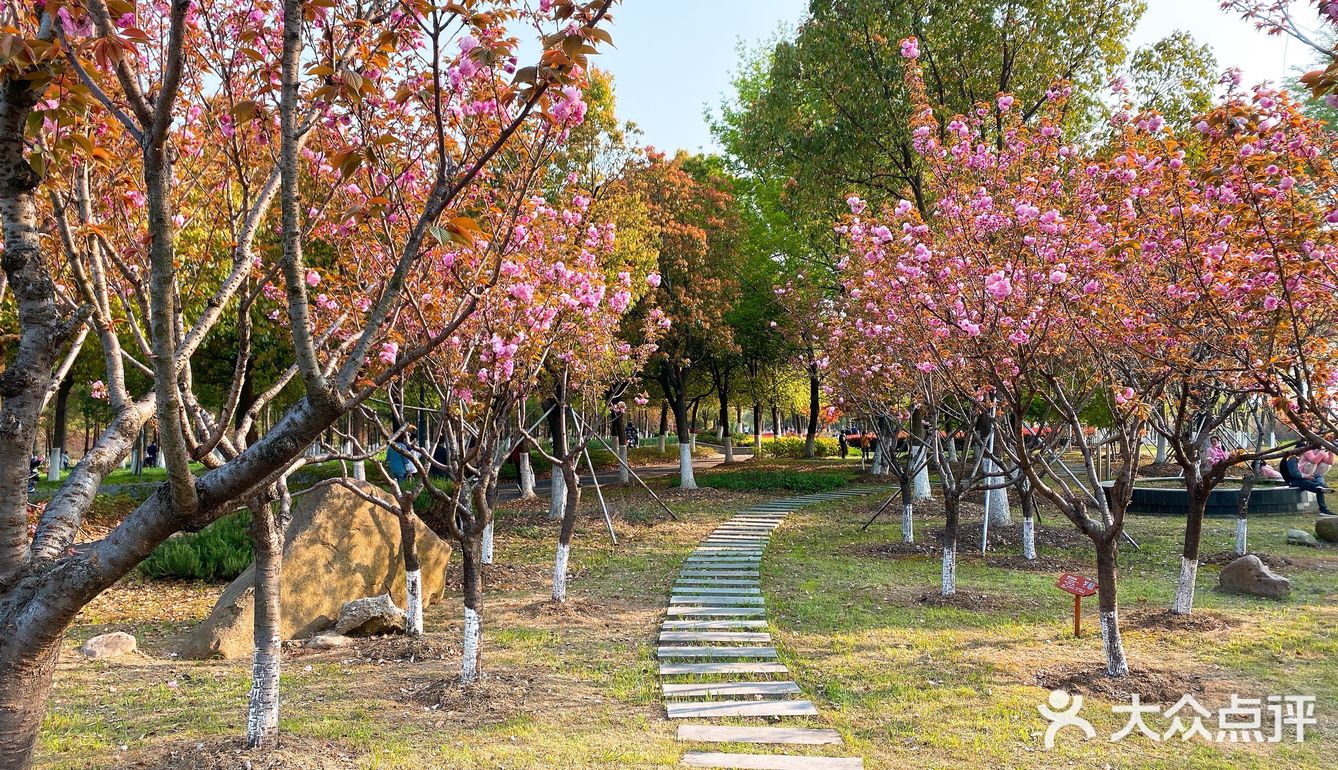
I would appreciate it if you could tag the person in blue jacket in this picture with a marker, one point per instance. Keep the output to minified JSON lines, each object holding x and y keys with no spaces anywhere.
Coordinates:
{"x":397,"y":461}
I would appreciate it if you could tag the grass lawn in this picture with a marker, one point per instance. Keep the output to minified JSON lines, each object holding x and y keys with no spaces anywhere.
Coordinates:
{"x":909,"y":683}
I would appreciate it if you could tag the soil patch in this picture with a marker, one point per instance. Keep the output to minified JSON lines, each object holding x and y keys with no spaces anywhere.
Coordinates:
{"x":1047,"y":537}
{"x":1152,"y":685}
{"x":387,"y":649}
{"x":494,"y":698}
{"x":965,"y":600}
{"x":895,"y":550}
{"x":1039,"y":564}
{"x":1224,"y":558}
{"x":506,"y":577}
{"x":1164,"y":619}
{"x":230,"y":753}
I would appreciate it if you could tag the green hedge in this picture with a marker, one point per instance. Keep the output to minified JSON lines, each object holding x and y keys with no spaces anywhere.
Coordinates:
{"x":792,"y":447}
{"x":774,"y":480}
{"x":220,"y":551}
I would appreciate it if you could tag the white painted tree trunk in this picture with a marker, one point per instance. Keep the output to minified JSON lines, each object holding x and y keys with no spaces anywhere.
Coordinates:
{"x":623,"y":475}
{"x":692,"y":442}
{"x":560,"y":573}
{"x":526,"y":478}
{"x":662,"y":443}
{"x":729,"y":447}
{"x":486,"y":557}
{"x":1160,"y":457}
{"x":1184,"y":590}
{"x":53,"y":464}
{"x":1028,"y":538}
{"x":558,"y":499}
{"x":952,"y":449}
{"x":469,"y":667}
{"x":359,"y":470}
{"x":687,"y":479}
{"x":262,"y":714}
{"x":949,"y":582}
{"x":413,"y":602}
{"x":996,"y":500}
{"x":907,"y":523}
{"x":920,"y":483}
{"x":1116,"y":663}
{"x":1242,"y":537}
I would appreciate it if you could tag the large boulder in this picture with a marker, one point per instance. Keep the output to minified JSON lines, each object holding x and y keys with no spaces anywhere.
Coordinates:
{"x":112,"y":645}
{"x":370,"y":616}
{"x":338,"y":548}
{"x":1249,"y":575}
{"x":1326,"y":528}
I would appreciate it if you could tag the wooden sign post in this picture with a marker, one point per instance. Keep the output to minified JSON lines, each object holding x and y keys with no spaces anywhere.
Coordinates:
{"x":1079,"y":586}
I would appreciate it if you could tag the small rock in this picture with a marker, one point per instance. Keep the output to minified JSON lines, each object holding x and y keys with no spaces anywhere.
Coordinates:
{"x":328,"y":642}
{"x":1249,"y":575}
{"x":111,"y":645}
{"x":1301,"y":537}
{"x":1326,"y":528}
{"x":369,"y":616}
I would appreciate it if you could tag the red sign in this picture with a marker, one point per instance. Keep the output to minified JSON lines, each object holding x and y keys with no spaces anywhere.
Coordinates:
{"x":1076,"y":584}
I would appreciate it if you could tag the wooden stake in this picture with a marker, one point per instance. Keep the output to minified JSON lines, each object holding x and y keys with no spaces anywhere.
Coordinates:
{"x":1077,"y":615}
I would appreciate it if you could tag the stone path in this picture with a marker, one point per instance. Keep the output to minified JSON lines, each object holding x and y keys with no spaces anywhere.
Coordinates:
{"x":714,"y":653}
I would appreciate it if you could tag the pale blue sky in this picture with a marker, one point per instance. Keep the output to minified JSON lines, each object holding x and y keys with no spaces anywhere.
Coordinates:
{"x":676,"y":57}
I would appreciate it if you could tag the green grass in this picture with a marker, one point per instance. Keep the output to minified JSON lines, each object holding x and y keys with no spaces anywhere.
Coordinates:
{"x":907,"y":684}
{"x":791,"y":477}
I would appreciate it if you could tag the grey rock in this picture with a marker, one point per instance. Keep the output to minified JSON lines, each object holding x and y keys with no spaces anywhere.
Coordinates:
{"x":1249,"y":575}
{"x":1301,"y":537}
{"x":369,"y":616}
{"x":328,"y":642}
{"x":112,"y":645}
{"x":1326,"y":528}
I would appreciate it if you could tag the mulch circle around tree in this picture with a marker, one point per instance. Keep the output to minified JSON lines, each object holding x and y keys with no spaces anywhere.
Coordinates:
{"x":1040,"y":564}
{"x":965,"y":600}
{"x":896,"y":550}
{"x":293,"y":752}
{"x":1160,"y":618}
{"x":1151,"y":685}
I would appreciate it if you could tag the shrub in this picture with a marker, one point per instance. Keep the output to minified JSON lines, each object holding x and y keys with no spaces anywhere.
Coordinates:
{"x":792,"y":447}
{"x":220,"y":551}
{"x":774,"y":480}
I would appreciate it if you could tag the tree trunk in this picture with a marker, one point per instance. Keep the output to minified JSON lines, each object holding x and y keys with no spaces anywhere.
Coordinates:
{"x":262,"y":718}
{"x":814,"y":405}
{"x":757,"y":430}
{"x":471,"y":556}
{"x":664,"y":423}
{"x":59,"y":421}
{"x":996,"y":500}
{"x":726,"y":434}
{"x":1160,"y":456}
{"x":565,"y":533}
{"x":28,"y":666}
{"x":1116,"y":663}
{"x":413,"y":575}
{"x":686,"y":479}
{"x":907,"y":511}
{"x":1028,"y":500}
{"x":486,"y":547}
{"x":557,"y":429}
{"x":526,"y":474}
{"x":949,"y":578}
{"x":1243,"y":510}
{"x":1189,"y":555}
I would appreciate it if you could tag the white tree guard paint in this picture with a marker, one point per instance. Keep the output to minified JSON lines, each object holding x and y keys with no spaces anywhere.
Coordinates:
{"x":413,"y":601}
{"x":1184,"y":589}
{"x":1116,"y":664}
{"x":557,"y":501}
{"x":486,"y":556}
{"x":951,"y":450}
{"x":53,"y":464}
{"x":920,"y":484}
{"x":1160,"y":457}
{"x":262,"y":714}
{"x":526,"y":477}
{"x":469,"y":666}
{"x":687,"y":479}
{"x":663,"y":439}
{"x":907,"y":523}
{"x":1242,"y":537}
{"x":692,"y":442}
{"x":949,"y":583}
{"x":996,"y":500}
{"x":560,"y":573}
{"x":359,"y":470}
{"x":1028,"y":538}
{"x":623,"y":475}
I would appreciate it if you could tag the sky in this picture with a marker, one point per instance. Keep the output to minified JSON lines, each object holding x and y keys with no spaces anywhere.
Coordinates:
{"x":675,"y":58}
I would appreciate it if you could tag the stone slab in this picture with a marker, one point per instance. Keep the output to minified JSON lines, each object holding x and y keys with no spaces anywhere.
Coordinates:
{"x":728,"y":591}
{"x":795,"y":736}
{"x":722,"y":667}
{"x":714,"y":636}
{"x":729,"y":689}
{"x":715,"y":600}
{"x":716,"y":652}
{"x":769,"y":761}
{"x":707,"y":612}
{"x":740,"y":708}
{"x":678,"y":625}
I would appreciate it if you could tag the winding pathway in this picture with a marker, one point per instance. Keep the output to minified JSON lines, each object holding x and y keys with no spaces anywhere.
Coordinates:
{"x":716,"y":657}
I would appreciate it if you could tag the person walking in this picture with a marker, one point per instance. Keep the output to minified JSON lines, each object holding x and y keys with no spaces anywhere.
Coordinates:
{"x":842,"y":444}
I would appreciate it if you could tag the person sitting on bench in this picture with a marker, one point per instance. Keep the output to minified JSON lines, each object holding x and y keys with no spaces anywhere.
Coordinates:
{"x":1293,"y":474}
